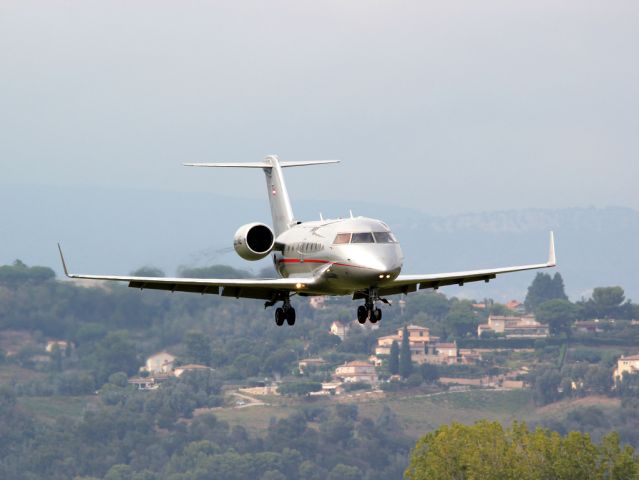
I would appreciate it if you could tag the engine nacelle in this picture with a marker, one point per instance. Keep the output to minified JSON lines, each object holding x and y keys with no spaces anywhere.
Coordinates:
{"x":253,"y":241}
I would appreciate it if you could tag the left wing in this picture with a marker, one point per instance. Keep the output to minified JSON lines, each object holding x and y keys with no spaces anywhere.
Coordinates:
{"x":410,"y":283}
{"x":265,"y":289}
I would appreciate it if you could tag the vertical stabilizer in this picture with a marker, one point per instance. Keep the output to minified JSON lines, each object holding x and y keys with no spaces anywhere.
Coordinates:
{"x":281,"y":210}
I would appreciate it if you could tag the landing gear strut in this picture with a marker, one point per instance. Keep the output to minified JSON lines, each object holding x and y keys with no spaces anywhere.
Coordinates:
{"x":369,"y":311}
{"x":284,"y":313}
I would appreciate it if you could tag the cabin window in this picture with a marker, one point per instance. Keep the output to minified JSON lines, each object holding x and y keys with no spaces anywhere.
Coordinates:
{"x":341,"y":238}
{"x":364,"y":237}
{"x":384,"y":237}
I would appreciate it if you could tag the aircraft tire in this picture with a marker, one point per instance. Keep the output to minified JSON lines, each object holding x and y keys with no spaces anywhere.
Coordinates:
{"x":376,"y":315}
{"x":279,"y":316}
{"x":290,"y":316}
{"x":362,"y":314}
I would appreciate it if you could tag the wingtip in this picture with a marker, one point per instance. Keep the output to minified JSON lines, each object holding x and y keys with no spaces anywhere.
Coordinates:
{"x":552,"y":258}
{"x":64,"y":264}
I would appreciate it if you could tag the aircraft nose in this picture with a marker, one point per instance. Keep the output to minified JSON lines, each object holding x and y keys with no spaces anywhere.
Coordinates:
{"x":386,"y":268}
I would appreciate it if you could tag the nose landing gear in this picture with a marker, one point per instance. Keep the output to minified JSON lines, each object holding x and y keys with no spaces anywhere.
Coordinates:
{"x":369,"y":311}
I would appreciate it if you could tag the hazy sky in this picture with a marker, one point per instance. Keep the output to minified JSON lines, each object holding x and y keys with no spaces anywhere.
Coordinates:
{"x":444,"y":106}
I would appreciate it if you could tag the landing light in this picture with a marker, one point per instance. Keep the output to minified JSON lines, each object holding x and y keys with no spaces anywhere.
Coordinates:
{"x":381,"y":276}
{"x":299,"y":285}
{"x":387,"y":276}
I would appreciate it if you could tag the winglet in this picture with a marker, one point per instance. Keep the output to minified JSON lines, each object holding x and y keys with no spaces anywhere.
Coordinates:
{"x":64,"y":264}
{"x":552,"y":259}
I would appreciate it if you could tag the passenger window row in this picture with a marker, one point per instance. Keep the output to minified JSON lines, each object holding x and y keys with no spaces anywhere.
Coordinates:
{"x":304,"y":247}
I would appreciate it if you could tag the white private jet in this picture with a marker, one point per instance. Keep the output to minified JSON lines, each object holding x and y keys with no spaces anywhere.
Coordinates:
{"x":355,"y":256}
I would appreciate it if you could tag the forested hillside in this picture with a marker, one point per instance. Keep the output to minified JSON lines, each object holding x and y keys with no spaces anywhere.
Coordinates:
{"x":71,"y":412}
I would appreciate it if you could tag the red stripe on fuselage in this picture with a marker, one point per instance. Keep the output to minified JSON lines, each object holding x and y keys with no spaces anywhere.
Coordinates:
{"x":297,"y":260}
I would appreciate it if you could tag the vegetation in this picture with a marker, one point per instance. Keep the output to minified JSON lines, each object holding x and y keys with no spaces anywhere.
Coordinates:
{"x":486,"y":450}
{"x":405,"y":362}
{"x":545,"y":288}
{"x":70,"y":412}
{"x":393,"y":359}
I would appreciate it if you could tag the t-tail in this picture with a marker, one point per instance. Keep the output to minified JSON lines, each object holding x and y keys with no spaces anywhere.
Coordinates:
{"x":281,"y":209}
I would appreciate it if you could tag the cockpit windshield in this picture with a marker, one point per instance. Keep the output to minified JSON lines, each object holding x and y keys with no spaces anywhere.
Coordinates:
{"x":364,"y":237}
{"x":342,"y":238}
{"x":384,"y":237}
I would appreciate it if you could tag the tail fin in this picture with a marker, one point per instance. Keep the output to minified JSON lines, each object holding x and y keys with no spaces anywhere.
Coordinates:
{"x":281,"y":210}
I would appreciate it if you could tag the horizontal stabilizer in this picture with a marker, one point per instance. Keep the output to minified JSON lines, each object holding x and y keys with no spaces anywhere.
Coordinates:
{"x":232,"y":165}
{"x":261,"y":164}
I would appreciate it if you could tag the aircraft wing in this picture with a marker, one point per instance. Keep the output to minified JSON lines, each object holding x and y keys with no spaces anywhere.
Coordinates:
{"x":264,"y":289}
{"x":411,"y":283}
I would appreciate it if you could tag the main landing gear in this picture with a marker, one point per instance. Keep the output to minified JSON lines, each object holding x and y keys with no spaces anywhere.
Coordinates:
{"x":369,"y":311}
{"x":285,"y":313}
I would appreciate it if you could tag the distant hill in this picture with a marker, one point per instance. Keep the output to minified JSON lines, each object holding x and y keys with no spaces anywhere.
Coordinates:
{"x":117,"y":231}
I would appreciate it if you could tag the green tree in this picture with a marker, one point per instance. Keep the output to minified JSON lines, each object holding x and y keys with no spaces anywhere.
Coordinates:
{"x":430,"y":372}
{"x":119,"y":472}
{"x":434,"y":304}
{"x":273,"y":475}
{"x":198,"y":348}
{"x":310,"y":471}
{"x":345,"y":472}
{"x":114,"y":353}
{"x":486,"y":450}
{"x":546,"y":386}
{"x":405,"y":361}
{"x":393,"y":359}
{"x":56,"y":358}
{"x":247,"y":365}
{"x":461,"y":319}
{"x":558,"y":314}
{"x":544,"y":288}
{"x":607,"y":302}
{"x":19,"y":273}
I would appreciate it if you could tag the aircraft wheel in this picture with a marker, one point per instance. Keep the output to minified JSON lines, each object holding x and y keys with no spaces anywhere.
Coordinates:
{"x":279,"y":316}
{"x":362,"y":314}
{"x":376,"y":315}
{"x":290,"y":316}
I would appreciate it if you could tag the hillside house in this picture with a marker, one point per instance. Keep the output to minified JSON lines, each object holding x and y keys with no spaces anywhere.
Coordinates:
{"x":143,"y":383}
{"x":310,"y":364}
{"x":418,"y":339}
{"x":588,"y":326}
{"x":514,"y":327}
{"x":626,"y":365}
{"x":317,"y":303}
{"x":160,"y":363}
{"x":339,"y":329}
{"x":442,"y":354}
{"x":516,"y":306}
{"x":61,"y":345}
{"x":191,"y":367}
{"x":357,"y":371}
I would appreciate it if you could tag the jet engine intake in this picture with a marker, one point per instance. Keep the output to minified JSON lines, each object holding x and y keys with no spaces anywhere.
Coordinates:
{"x":253,"y":241}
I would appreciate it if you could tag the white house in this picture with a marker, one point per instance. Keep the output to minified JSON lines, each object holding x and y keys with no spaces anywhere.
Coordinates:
{"x":161,"y":362}
{"x":626,"y":365}
{"x":357,"y":371}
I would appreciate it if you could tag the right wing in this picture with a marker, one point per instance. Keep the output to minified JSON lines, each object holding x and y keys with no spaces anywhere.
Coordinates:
{"x":265,"y":289}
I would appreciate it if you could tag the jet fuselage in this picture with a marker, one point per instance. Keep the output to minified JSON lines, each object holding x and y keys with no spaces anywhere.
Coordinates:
{"x":352,"y":253}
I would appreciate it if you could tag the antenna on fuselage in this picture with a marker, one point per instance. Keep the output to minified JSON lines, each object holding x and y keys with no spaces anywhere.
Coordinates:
{"x":321,"y":217}
{"x":351,"y":212}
